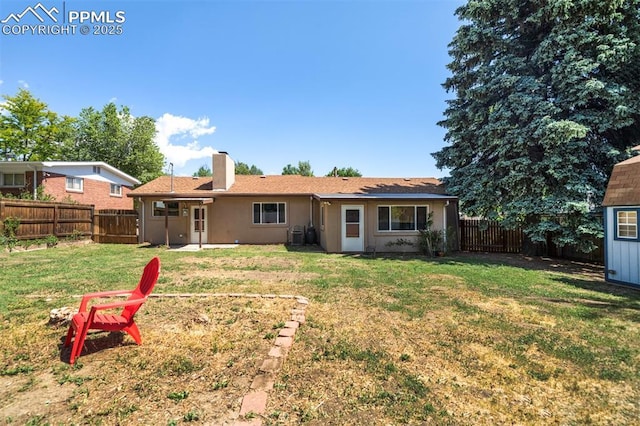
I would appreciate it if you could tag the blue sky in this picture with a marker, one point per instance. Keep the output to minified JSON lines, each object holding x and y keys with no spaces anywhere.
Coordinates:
{"x":335,"y":83}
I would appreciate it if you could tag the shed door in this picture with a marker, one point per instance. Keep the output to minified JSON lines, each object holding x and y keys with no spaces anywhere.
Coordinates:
{"x":352,"y":228}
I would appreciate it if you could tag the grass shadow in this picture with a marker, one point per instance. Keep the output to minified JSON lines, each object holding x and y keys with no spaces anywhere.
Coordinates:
{"x":95,"y":342}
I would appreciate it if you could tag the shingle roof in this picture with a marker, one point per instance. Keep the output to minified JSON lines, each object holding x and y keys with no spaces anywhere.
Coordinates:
{"x":624,"y":185}
{"x":289,"y":185}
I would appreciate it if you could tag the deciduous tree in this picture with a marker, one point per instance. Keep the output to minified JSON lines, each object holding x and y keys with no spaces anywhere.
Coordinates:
{"x":119,"y":139}
{"x":245,"y":169}
{"x":29,"y":131}
{"x":547,"y":100}
{"x":303,"y":169}
{"x":203,"y":171}
{"x":345,"y":172}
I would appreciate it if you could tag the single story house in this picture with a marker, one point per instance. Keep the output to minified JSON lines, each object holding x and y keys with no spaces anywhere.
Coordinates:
{"x":352,"y":214}
{"x":84,"y":182}
{"x":621,"y":212}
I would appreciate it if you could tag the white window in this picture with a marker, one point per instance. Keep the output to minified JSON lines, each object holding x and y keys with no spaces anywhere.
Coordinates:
{"x":74,"y":184}
{"x":13,"y":179}
{"x":265,"y":213}
{"x":96,"y":170}
{"x":402,"y":218}
{"x":116,"y":190}
{"x":173,"y":208}
{"x":627,"y":224}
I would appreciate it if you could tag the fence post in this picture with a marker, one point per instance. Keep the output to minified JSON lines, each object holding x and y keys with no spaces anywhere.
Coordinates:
{"x":55,"y":220}
{"x":93,"y":222}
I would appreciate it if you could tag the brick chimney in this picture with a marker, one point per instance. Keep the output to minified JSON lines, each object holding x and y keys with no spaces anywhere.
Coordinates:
{"x":224,"y":171}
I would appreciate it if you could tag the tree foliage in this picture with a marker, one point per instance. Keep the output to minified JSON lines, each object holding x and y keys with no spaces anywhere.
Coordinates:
{"x":344,"y":172}
{"x":245,"y":169}
{"x":29,"y":131}
{"x":303,"y":169}
{"x":203,"y":171}
{"x":119,"y":139}
{"x":547,"y":100}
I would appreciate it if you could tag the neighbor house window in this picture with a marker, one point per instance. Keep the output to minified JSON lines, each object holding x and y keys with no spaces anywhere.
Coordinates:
{"x":74,"y":183}
{"x":402,"y":218}
{"x":116,"y":190}
{"x":96,"y":170}
{"x":173,"y":208}
{"x":264,"y":213}
{"x":13,"y":179}
{"x":627,"y":224}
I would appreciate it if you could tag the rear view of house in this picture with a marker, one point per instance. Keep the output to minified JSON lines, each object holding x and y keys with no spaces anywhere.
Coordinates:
{"x":343,"y":214}
{"x":622,"y":211}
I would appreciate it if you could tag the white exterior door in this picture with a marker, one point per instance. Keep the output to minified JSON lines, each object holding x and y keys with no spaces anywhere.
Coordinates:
{"x":352,"y":228}
{"x":198,"y":224}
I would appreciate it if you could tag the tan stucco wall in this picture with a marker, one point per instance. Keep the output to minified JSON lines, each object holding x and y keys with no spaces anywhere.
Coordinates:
{"x":331,"y":232}
{"x":231,"y":220}
{"x":154,"y":227}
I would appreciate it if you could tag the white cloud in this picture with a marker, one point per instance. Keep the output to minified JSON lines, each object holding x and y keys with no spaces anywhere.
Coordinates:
{"x":177,"y":138}
{"x":24,"y":84}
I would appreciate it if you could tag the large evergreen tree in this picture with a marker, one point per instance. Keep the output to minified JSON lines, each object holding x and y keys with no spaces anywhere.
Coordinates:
{"x":547,"y":100}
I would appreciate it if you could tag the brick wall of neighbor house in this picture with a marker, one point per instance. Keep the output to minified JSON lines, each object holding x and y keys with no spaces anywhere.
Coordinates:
{"x":94,"y":192}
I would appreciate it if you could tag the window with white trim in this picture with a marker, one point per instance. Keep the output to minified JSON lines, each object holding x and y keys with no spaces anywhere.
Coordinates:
{"x":627,"y":224}
{"x":269,"y":213}
{"x":13,"y":179}
{"x":402,"y":218}
{"x":173,"y":208}
{"x":74,"y":184}
{"x":115,"y":190}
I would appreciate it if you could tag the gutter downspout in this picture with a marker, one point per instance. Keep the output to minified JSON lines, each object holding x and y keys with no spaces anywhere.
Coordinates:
{"x":444,"y":225}
{"x":35,"y":181}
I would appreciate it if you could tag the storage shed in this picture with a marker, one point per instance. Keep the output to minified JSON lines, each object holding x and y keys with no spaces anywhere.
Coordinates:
{"x":621,"y":212}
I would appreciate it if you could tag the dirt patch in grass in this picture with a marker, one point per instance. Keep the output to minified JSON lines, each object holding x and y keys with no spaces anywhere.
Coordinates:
{"x":356,"y":366}
{"x":198,"y":359}
{"x":225,"y":274}
{"x":388,"y":340}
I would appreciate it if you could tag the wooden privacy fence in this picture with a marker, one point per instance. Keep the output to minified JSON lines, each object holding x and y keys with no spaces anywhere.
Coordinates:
{"x":116,"y":226}
{"x":489,"y":236}
{"x":40,"y":219}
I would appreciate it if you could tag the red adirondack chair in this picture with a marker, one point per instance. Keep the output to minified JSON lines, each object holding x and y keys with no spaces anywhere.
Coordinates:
{"x":85,"y":320}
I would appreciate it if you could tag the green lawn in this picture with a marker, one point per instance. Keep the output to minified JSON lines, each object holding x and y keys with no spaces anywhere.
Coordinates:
{"x":388,"y":340}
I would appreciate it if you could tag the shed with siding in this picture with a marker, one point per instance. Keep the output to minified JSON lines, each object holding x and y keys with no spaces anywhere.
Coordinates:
{"x":621,"y":213}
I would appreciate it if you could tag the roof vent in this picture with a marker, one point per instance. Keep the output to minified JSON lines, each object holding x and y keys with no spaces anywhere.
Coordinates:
{"x":263,"y":177}
{"x":407,"y":179}
{"x":345,"y":178}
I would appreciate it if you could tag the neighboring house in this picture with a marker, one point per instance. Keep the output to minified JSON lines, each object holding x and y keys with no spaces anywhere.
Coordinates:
{"x":621,"y":234}
{"x":340,"y":214}
{"x":84,"y":182}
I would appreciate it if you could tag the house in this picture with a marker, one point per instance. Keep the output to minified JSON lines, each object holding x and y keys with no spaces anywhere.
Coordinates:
{"x":84,"y":182}
{"x":340,"y":214}
{"x":621,"y":212}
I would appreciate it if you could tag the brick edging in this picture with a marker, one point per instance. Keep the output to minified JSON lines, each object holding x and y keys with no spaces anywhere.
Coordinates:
{"x":254,"y":401}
